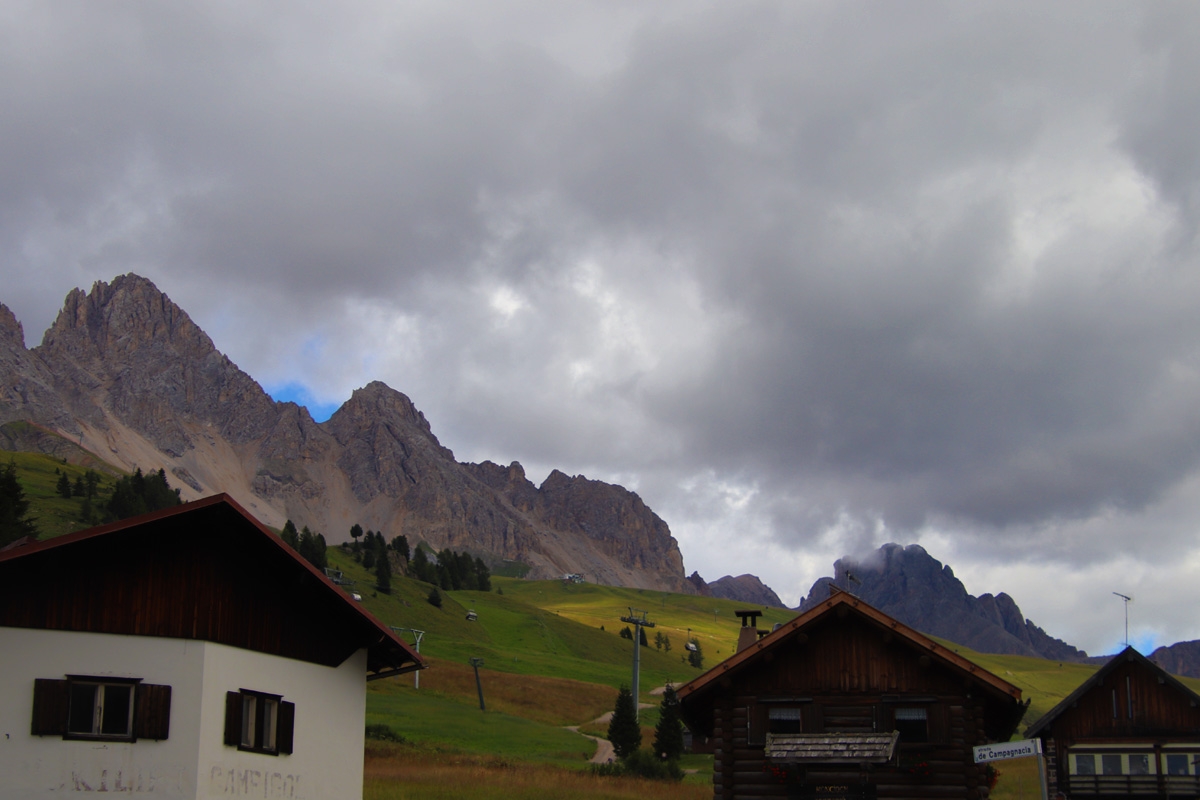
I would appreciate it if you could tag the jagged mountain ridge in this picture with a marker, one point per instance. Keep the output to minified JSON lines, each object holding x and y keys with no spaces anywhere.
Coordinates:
{"x":909,"y":584}
{"x":126,"y":374}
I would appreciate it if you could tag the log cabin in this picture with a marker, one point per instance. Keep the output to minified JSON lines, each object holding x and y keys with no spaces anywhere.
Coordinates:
{"x":1131,"y":730}
{"x":185,"y":653}
{"x":845,"y":702}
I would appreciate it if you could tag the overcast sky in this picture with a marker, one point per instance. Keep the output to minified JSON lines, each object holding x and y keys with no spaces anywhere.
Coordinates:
{"x":809,"y":277}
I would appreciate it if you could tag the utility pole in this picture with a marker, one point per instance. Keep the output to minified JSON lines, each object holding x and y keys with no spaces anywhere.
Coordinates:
{"x":418,"y":634}
{"x":638,"y":623}
{"x":1126,"y":598}
{"x":477,"y":663}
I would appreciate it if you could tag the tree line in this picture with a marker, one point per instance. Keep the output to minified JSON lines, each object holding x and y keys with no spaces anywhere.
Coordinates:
{"x":131,"y":495}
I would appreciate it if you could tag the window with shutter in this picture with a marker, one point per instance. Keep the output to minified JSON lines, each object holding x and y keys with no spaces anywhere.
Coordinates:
{"x":100,"y":708}
{"x":258,"y":722}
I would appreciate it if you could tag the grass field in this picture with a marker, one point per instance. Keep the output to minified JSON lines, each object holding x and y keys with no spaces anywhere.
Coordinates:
{"x":38,"y":475}
{"x":552,"y":658}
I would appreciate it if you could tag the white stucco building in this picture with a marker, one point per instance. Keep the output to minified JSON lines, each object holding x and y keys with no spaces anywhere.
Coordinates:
{"x":184,"y":654}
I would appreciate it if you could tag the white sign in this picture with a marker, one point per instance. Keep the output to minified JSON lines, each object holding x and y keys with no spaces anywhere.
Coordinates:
{"x":999,"y":752}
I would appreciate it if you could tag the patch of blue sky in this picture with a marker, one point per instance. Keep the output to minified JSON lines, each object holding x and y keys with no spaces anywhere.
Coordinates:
{"x":1145,"y":642}
{"x":298,"y":393}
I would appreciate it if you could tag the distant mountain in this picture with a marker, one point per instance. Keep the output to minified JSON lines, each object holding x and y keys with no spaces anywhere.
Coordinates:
{"x":126,"y":375}
{"x":915,"y":588}
{"x":1181,"y":658}
{"x":746,"y":589}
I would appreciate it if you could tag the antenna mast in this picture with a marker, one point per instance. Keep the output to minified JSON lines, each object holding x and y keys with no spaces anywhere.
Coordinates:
{"x":1126,"y":598}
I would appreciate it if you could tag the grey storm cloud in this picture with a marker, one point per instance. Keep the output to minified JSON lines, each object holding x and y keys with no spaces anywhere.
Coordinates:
{"x":808,"y":276}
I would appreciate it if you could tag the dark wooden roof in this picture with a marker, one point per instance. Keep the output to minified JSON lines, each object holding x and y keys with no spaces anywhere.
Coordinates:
{"x":851,"y":604}
{"x":204,"y":570}
{"x":1127,"y":656}
{"x":832,"y":748}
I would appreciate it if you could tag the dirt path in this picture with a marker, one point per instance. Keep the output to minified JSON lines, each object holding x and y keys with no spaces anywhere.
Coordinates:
{"x":604,"y":748}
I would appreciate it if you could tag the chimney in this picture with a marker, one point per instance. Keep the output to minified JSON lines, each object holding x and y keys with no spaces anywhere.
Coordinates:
{"x":749,"y":633}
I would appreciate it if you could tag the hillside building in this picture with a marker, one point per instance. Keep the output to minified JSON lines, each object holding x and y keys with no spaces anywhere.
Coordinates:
{"x":846,"y":702}
{"x":1131,"y":730}
{"x":186,"y":653}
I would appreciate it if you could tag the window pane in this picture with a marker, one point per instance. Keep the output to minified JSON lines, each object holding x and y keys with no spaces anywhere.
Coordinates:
{"x":911,"y":713}
{"x":270,"y":709}
{"x":783,"y":720}
{"x":82,"y":716}
{"x":1085,"y":764}
{"x":1177,"y":765}
{"x":1111,"y":764}
{"x":248,"y":712}
{"x":1139,"y":764}
{"x":911,"y":722}
{"x":117,"y":704}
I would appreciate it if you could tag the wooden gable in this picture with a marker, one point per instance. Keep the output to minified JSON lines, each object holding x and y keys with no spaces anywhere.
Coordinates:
{"x":1129,"y":697}
{"x":846,"y":648}
{"x":204,"y":570}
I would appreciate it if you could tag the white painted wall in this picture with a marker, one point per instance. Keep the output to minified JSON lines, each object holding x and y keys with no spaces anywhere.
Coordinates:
{"x":331,"y":705}
{"x":193,"y":762}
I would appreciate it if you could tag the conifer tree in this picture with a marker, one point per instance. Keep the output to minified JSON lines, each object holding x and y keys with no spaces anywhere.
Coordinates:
{"x":623,"y":729}
{"x":14,"y":523}
{"x":64,"y":486}
{"x":290,"y":536}
{"x":383,"y":574}
{"x":668,"y":734}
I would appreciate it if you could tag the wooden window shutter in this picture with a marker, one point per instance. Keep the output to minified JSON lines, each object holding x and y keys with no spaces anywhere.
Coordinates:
{"x":233,"y":718}
{"x":152,"y":712}
{"x":50,"y":704}
{"x":813,"y":719}
{"x":287,"y":725}
{"x":756,"y":724}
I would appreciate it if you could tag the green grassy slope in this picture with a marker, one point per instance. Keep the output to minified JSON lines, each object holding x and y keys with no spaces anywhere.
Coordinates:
{"x":55,"y":515}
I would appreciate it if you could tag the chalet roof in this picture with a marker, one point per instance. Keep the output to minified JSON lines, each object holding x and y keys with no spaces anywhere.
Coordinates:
{"x":832,"y":748}
{"x":848,"y":603}
{"x":204,"y":570}
{"x":1128,"y":655}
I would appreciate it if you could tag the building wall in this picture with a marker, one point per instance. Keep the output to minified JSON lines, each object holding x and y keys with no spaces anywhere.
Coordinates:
{"x":49,"y":766}
{"x":193,"y":762}
{"x":327,"y":760}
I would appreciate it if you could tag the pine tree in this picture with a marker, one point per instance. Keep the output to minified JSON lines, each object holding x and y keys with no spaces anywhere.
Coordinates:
{"x":435,"y":598}
{"x":383,"y":574}
{"x":290,"y":536}
{"x":64,"y":486}
{"x":642,"y":637}
{"x":668,"y":734}
{"x":623,"y":729}
{"x":14,"y":523}
{"x":400,"y":545}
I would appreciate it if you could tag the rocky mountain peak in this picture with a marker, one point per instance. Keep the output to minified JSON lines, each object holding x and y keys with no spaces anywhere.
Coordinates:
{"x":747,"y":589}
{"x":917,"y":589}
{"x":375,"y":402}
{"x":11,"y":332}
{"x":116,"y":320}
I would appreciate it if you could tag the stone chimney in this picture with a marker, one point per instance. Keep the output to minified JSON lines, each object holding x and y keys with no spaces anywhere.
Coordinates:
{"x":749,"y":632}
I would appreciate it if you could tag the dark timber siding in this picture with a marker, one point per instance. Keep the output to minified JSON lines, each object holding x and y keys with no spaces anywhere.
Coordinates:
{"x":1130,"y":706}
{"x":849,"y":674}
{"x":199,"y":575}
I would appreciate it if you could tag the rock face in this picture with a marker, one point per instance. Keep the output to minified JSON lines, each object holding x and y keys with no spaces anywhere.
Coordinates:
{"x":909,"y":584}
{"x":746,"y":589}
{"x":1181,"y":658}
{"x":124,"y":374}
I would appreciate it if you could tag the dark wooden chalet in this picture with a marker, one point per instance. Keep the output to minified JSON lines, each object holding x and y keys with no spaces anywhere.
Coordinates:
{"x":1131,"y":730}
{"x":846,"y":702}
{"x":204,"y":570}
